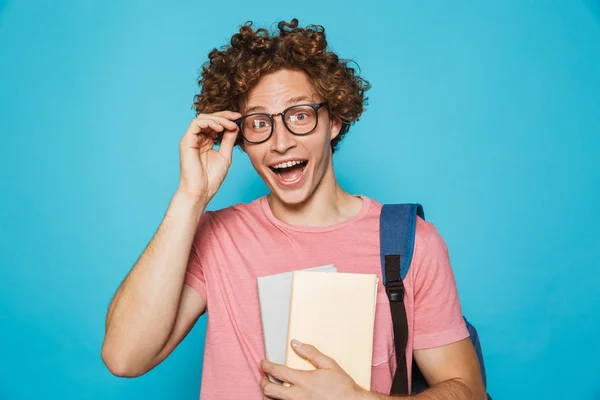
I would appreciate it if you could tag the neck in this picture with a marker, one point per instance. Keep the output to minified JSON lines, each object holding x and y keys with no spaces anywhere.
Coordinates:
{"x":329,"y":204}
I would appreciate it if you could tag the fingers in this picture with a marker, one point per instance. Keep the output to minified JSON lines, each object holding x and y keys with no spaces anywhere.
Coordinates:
{"x":228,"y":142}
{"x":216,"y":122}
{"x":281,"y":372}
{"x":313,"y":355}
{"x":214,"y":126}
{"x":208,"y":126}
{"x":231,"y":115}
{"x":274,"y":391}
{"x":224,"y":119}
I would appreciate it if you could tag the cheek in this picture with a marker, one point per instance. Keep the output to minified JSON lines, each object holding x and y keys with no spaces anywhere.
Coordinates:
{"x":256,"y":157}
{"x":319,"y":141}
{"x":320,"y":150}
{"x":325,"y":143}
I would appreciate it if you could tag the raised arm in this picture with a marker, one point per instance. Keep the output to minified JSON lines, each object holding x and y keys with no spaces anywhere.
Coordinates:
{"x":153,"y":309}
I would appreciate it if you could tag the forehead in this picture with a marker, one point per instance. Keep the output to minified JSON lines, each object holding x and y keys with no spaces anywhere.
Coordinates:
{"x":277,"y":90}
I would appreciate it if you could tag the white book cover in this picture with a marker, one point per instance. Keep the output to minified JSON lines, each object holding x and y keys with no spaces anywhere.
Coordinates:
{"x":274,"y":293}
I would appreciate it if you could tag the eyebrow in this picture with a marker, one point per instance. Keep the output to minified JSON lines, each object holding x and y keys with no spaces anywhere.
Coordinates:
{"x":288,"y":103}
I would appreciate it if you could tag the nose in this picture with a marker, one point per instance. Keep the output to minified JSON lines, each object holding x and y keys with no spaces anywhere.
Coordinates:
{"x":282,"y":140}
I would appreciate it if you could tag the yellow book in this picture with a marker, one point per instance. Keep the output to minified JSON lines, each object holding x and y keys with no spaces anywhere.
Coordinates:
{"x":335,"y":312}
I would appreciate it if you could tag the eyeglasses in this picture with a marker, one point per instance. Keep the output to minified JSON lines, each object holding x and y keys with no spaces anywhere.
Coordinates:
{"x":300,"y":120}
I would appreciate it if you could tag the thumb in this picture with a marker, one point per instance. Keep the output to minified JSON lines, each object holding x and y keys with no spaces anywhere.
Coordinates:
{"x":227,"y":143}
{"x":310,"y":353}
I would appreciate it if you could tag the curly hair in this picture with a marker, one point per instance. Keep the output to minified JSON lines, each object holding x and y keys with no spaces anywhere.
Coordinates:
{"x":231,"y":72}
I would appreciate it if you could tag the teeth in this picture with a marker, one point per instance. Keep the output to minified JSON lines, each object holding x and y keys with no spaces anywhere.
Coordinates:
{"x":287,"y":164}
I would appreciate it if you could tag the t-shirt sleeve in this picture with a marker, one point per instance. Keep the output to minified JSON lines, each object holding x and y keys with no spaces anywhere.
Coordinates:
{"x":195,"y":272}
{"x":438,"y":314}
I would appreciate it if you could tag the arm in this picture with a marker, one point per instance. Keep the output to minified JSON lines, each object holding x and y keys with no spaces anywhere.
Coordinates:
{"x":452,"y":372}
{"x":442,"y":348}
{"x":153,"y":310}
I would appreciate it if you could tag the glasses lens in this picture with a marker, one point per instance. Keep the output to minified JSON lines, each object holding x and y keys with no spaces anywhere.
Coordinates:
{"x":301,"y":119}
{"x":256,"y":128}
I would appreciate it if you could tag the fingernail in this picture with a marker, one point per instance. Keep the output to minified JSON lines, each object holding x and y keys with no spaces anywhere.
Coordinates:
{"x":296,"y":344}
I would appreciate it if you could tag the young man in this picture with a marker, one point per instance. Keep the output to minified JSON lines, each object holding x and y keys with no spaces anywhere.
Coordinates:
{"x":286,"y":101}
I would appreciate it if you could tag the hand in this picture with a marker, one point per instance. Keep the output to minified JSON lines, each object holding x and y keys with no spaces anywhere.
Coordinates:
{"x":203,"y":169}
{"x":328,"y":381}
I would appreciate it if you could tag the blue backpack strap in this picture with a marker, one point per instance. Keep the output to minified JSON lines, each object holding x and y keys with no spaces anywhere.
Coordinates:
{"x":397,"y":230}
{"x":398,"y":223}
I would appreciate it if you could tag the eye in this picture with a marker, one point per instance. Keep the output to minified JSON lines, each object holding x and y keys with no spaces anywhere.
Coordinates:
{"x":300,"y":116}
{"x":258,"y":123}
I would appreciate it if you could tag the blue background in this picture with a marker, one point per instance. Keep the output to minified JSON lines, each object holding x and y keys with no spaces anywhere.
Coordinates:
{"x":488,"y":113}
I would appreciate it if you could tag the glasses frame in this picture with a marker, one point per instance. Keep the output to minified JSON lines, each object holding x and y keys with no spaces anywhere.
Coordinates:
{"x":316,"y":107}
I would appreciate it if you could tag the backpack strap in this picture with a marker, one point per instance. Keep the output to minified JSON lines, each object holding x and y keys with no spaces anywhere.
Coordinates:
{"x":397,"y":239}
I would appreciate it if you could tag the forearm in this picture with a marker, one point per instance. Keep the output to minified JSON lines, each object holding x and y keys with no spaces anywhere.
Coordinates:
{"x":143,"y":311}
{"x":453,"y":389}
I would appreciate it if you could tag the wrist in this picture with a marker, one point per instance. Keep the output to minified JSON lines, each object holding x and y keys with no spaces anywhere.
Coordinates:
{"x":189,"y":199}
{"x":368,"y":395}
{"x":186,"y":205}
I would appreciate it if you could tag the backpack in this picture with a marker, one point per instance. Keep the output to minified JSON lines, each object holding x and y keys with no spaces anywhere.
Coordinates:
{"x":397,"y":239}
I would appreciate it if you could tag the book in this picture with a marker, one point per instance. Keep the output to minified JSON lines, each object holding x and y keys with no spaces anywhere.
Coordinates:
{"x":336,"y":314}
{"x":274,"y":293}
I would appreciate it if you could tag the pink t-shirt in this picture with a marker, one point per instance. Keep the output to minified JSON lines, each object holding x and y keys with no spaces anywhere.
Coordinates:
{"x":237,"y":244}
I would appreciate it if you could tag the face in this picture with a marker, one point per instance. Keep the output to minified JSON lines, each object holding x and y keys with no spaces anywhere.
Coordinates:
{"x":292,"y":166}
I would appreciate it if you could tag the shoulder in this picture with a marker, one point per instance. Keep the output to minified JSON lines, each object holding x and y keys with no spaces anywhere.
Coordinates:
{"x":234,"y":212}
{"x":428,"y":238}
{"x":231,"y":219}
{"x":430,"y":265}
{"x":426,"y":233}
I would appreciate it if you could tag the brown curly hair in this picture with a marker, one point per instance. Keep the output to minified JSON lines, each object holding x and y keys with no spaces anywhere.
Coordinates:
{"x":233,"y":71}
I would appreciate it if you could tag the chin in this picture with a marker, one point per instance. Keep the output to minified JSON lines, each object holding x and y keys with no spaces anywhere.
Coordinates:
{"x":290,"y":198}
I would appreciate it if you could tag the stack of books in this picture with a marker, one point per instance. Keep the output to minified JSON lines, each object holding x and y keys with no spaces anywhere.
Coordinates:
{"x":333,"y":311}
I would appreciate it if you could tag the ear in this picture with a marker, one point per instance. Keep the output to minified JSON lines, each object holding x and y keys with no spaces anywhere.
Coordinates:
{"x":335,"y":126}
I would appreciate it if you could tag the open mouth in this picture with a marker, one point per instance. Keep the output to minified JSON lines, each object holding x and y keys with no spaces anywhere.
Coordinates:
{"x":291,"y":171}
